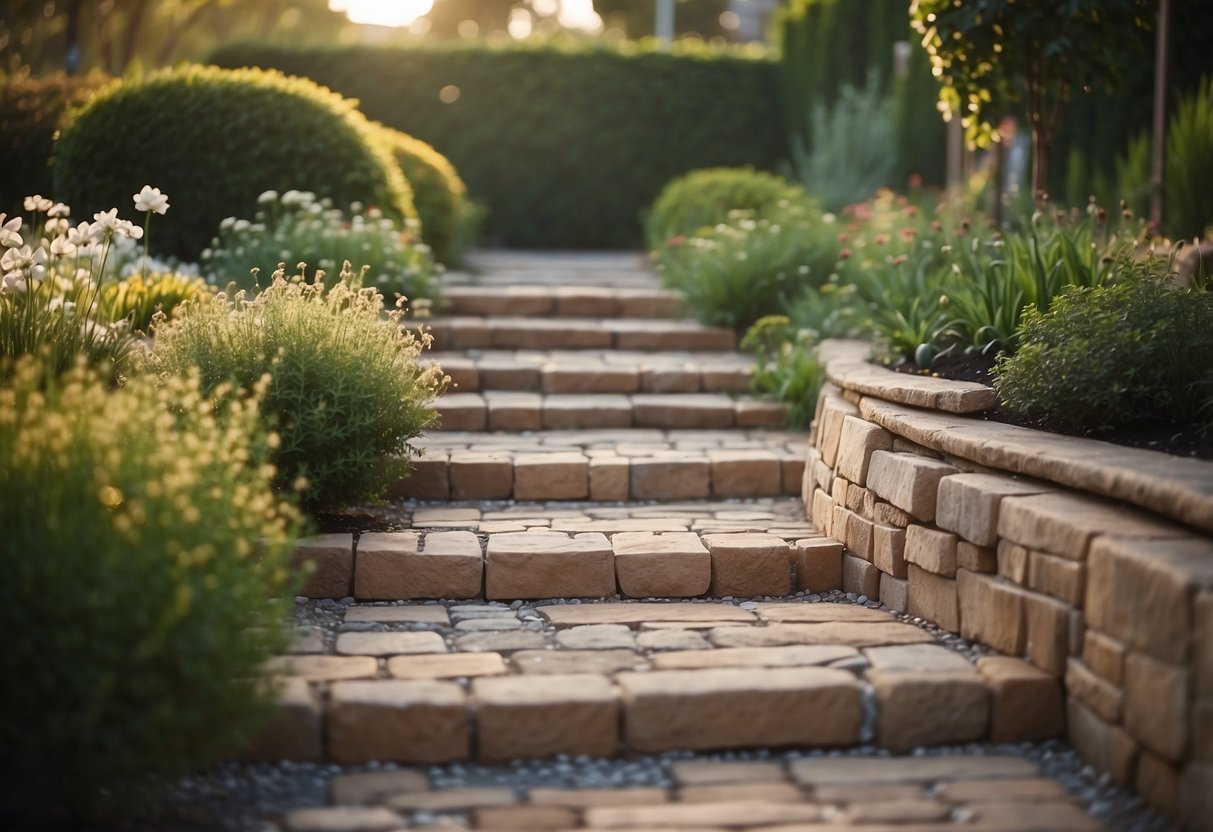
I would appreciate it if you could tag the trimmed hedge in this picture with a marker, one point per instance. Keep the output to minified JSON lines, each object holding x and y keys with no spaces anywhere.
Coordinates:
{"x":30,"y":110}
{"x":566,"y":145}
{"x":439,"y":194}
{"x":214,"y":140}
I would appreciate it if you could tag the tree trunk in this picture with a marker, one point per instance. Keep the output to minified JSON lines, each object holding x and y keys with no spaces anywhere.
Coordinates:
{"x":1040,"y":159}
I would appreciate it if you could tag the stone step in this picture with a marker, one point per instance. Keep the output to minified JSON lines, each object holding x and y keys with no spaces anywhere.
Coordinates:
{"x":505,"y":333}
{"x":497,"y":410}
{"x":606,"y":465}
{"x":560,"y":301}
{"x":978,"y":792}
{"x":538,"y":552}
{"x":437,"y":683}
{"x":595,"y":371}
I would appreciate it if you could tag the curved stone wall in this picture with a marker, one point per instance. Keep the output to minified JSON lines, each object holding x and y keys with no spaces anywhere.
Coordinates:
{"x":1092,"y":561}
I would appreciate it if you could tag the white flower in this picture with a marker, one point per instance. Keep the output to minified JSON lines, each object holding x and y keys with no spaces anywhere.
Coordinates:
{"x":241,"y":226}
{"x":10,"y":232}
{"x":13,"y":282}
{"x":56,"y":226}
{"x":62,"y":247}
{"x":59,"y":303}
{"x":58,"y":210}
{"x":151,"y":199}
{"x":125,"y":228}
{"x":267,"y":196}
{"x":81,"y":235}
{"x":105,"y":221}
{"x":37,"y":202}
{"x":24,"y":261}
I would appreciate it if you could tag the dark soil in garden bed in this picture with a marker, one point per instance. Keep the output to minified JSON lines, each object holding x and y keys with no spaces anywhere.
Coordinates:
{"x":1168,"y":437}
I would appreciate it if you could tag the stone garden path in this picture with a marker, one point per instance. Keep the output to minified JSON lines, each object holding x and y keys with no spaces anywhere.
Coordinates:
{"x":605,"y":558}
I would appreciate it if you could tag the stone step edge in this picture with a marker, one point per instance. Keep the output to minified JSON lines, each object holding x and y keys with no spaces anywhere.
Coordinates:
{"x":471,"y":375}
{"x":590,"y":411}
{"x":591,"y":559}
{"x":571,"y":475}
{"x":504,"y":717}
{"x":630,"y":334}
{"x":531,"y":300}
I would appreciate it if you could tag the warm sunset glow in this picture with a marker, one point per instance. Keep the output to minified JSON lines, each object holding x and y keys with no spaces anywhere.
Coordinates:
{"x":382,"y":12}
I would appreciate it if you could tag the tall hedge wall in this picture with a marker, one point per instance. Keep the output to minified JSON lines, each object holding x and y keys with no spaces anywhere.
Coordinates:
{"x":566,"y":146}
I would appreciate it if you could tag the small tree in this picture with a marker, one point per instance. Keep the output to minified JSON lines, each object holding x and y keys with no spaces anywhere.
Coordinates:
{"x":989,"y":53}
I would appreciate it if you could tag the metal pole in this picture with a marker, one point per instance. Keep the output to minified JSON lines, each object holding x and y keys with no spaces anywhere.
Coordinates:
{"x":1162,"y":50}
{"x":665,"y":23}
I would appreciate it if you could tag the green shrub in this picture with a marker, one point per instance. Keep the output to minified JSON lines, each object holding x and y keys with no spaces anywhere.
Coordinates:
{"x":143,"y":548}
{"x":1189,"y":206}
{"x":786,"y":368}
{"x":30,"y":110}
{"x":1113,"y":355}
{"x":565,"y":144}
{"x":704,"y":198}
{"x":297,"y":227}
{"x":216,"y":139}
{"x":736,"y":272}
{"x":448,"y":219}
{"x":136,"y":299}
{"x":347,"y":390}
{"x":853,"y":147}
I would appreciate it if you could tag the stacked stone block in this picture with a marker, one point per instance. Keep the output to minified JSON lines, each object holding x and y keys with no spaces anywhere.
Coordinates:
{"x":1113,"y":602}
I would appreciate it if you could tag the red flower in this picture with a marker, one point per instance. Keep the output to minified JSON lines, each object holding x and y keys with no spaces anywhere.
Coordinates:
{"x":676,"y":241}
{"x":845,"y":254}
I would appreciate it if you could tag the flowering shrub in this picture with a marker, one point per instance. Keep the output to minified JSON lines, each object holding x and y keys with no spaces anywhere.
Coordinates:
{"x":51,"y":287}
{"x":135,"y":300}
{"x":749,"y":266}
{"x":297,"y":227}
{"x":347,"y":390}
{"x":143,"y":546}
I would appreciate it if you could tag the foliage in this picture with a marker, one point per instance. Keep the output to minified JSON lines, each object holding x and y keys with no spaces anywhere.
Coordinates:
{"x":1136,"y":349}
{"x":219,"y":138}
{"x":786,"y":367}
{"x":829,"y":45}
{"x":987,"y":53}
{"x":30,"y":110}
{"x":297,"y":227}
{"x":136,"y":299}
{"x":853,"y":147}
{"x":1189,"y":205}
{"x":142,"y":549}
{"x":704,"y":198}
{"x":736,"y":272}
{"x":565,"y":145}
{"x":448,"y":219}
{"x":49,"y":294}
{"x":347,"y":390}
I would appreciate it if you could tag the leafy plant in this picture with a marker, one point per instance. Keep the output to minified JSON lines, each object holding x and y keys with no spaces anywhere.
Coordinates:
{"x":747,"y":267}
{"x":1189,"y":205}
{"x":347,"y":390}
{"x":853,"y":148}
{"x":144,"y":548}
{"x":297,"y":227}
{"x":1102,"y":356}
{"x":449,"y":220}
{"x":221,"y":138}
{"x":786,"y":368}
{"x":705,"y":198}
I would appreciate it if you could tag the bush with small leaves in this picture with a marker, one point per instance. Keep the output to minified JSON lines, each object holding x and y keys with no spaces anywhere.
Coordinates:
{"x":704,"y":198}
{"x":144,"y":550}
{"x":216,"y":139}
{"x":1106,"y":356}
{"x":347,"y":391}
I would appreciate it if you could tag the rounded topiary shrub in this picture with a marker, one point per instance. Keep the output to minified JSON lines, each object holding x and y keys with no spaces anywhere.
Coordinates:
{"x":144,"y":550}
{"x":439,"y":194}
{"x":216,"y":139}
{"x":706,"y":197}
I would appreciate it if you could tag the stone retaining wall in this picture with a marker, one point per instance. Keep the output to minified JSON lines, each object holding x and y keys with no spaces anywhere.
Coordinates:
{"x":940,"y":518}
